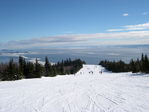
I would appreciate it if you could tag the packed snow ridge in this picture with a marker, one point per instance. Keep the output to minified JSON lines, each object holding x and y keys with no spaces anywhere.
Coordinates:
{"x":89,"y":90}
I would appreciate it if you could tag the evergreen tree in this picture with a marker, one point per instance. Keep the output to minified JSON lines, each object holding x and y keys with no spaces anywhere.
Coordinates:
{"x":29,"y":70}
{"x":47,"y":67}
{"x":54,"y":72}
{"x":138,"y":65}
{"x":21,"y":66}
{"x":146,"y":64}
{"x":133,"y":66}
{"x":142,"y":63}
{"x":38,"y":70}
{"x":11,"y":72}
{"x":62,"y":70}
{"x":26,"y":69}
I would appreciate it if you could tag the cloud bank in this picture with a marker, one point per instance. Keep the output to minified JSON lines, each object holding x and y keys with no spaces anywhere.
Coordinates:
{"x":112,"y":38}
{"x":144,"y":26}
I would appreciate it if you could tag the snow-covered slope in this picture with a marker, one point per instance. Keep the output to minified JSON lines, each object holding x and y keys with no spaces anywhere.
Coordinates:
{"x":82,"y":92}
{"x":91,"y":70}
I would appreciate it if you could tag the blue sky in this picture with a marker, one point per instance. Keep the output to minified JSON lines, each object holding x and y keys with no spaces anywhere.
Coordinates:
{"x":93,"y":22}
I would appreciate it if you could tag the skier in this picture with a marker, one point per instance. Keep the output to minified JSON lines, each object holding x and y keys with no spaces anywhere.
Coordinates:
{"x":100,"y":72}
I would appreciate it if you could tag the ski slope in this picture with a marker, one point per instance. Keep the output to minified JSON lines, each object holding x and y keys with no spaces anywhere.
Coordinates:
{"x":86,"y":91}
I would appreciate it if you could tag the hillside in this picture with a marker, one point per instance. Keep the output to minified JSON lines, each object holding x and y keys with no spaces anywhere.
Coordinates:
{"x":86,"y":91}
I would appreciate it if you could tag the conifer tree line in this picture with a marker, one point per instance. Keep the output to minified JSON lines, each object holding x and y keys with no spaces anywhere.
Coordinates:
{"x":139,"y":65}
{"x":26,"y":69}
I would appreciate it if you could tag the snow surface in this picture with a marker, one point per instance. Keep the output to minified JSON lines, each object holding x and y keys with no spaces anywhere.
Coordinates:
{"x":82,"y":92}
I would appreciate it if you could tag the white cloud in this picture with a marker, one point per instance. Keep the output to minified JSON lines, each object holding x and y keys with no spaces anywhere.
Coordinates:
{"x":144,"y":26}
{"x":125,"y":14}
{"x":113,"y":38}
{"x":114,"y":30}
{"x":138,"y":26}
{"x":134,"y":34}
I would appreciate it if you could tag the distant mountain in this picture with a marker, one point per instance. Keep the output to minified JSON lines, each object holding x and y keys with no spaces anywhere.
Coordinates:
{"x":12,"y":51}
{"x":134,"y":46}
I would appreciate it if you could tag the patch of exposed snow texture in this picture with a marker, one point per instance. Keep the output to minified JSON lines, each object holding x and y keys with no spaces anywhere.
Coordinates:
{"x":86,"y":91}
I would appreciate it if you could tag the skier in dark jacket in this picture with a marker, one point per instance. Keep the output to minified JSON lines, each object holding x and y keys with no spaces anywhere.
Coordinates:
{"x":101,"y":72}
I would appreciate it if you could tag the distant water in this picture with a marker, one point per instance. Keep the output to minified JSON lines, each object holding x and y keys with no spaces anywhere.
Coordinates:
{"x":91,"y":55}
{"x":4,"y":59}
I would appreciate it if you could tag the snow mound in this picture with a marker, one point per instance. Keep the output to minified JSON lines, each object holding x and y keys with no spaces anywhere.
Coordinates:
{"x":106,"y":92}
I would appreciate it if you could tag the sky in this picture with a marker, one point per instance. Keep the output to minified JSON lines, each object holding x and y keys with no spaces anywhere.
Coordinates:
{"x":66,"y":23}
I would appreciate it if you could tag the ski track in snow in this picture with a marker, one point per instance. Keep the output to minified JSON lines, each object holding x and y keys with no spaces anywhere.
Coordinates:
{"x":86,"y":91}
